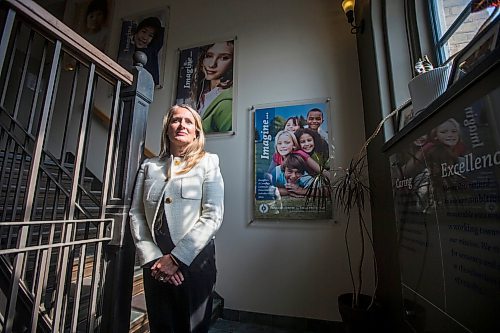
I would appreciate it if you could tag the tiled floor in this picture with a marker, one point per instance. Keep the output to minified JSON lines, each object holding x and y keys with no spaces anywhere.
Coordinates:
{"x":227,"y":326}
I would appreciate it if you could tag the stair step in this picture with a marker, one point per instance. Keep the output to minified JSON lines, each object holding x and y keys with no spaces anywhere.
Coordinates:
{"x":87,"y":269}
{"x":139,"y":322}
{"x":137,"y":286}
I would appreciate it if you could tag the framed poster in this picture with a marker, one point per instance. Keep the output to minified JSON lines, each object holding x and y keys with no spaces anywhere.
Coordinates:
{"x":145,"y":32}
{"x":476,"y":51}
{"x":291,"y":144}
{"x":405,"y":114}
{"x":205,"y":80}
{"x":91,"y":19}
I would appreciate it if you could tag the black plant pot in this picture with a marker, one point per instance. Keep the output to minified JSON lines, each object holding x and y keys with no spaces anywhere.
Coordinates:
{"x":359,"y":319}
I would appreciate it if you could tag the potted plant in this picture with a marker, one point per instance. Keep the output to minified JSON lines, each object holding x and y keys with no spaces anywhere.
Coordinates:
{"x":348,"y":188}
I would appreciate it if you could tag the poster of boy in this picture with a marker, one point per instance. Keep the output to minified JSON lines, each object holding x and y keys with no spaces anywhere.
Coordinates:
{"x":145,"y":33}
{"x":291,"y":144}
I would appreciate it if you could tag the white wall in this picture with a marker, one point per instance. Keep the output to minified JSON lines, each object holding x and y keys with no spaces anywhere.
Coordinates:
{"x":286,"y":50}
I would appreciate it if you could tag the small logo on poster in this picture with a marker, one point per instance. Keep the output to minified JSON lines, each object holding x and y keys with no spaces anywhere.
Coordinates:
{"x":264,"y":208}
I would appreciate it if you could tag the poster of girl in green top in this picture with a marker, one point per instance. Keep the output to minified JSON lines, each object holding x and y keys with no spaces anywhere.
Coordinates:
{"x":205,"y":81}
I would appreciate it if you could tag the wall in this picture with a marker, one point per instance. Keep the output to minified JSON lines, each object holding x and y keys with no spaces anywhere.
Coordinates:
{"x":286,"y":50}
{"x":377,"y":78}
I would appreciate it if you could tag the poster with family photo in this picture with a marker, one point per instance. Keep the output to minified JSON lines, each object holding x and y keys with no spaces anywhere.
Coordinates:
{"x":205,"y":81}
{"x":145,"y":32}
{"x":291,"y":147}
{"x":91,"y":19}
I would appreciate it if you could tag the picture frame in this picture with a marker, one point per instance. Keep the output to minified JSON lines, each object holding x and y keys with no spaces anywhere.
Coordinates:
{"x":405,"y":114}
{"x":484,"y":43}
{"x":146,"y":32}
{"x":277,"y":196}
{"x":91,"y":19}
{"x":206,"y":81}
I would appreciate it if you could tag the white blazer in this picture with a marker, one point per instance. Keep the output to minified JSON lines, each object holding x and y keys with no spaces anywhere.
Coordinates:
{"x":193,"y":204}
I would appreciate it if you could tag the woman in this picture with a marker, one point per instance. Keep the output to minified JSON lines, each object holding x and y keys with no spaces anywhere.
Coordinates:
{"x":212,"y":91}
{"x":177,"y":208}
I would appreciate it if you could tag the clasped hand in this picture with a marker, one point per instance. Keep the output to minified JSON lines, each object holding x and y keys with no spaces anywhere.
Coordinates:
{"x":166,"y":270}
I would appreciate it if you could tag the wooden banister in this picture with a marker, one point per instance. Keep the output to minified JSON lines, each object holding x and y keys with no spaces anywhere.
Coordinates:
{"x":105,"y":121}
{"x":48,"y":23}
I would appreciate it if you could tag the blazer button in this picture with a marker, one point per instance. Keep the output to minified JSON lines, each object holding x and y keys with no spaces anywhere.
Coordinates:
{"x":168,"y":200}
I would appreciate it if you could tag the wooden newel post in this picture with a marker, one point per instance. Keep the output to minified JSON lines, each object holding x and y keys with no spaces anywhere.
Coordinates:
{"x":129,"y":151}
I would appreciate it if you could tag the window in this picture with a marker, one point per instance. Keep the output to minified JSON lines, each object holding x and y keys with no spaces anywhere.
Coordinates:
{"x":456,"y":22}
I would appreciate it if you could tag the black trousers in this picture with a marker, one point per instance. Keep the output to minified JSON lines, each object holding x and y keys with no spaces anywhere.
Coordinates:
{"x":185,"y":308}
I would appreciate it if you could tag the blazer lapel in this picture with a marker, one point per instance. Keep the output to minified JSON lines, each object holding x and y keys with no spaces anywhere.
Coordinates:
{"x":165,"y":171}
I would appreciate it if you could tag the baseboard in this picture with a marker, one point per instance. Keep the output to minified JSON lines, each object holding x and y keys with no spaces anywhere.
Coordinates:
{"x":297,"y":323}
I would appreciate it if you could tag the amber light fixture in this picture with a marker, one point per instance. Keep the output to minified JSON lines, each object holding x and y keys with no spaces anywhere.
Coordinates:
{"x":348,"y":7}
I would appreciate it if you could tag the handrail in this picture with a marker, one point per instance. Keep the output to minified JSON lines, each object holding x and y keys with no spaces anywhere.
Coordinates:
{"x":106,"y":120}
{"x":35,"y":13}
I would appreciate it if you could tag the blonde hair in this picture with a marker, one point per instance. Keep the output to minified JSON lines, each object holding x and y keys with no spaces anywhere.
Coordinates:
{"x":195,"y":151}
{"x":290,"y":134}
{"x":452,"y":121}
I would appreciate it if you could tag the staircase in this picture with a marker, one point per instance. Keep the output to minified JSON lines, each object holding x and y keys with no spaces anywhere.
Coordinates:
{"x":43,"y":267}
{"x":15,"y":167}
{"x":64,"y":263}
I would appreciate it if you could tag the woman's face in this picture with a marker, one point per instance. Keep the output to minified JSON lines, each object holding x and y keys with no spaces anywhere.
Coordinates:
{"x":284,"y":144}
{"x":218,"y":60}
{"x":447,"y":134}
{"x":290,"y":126}
{"x":306,"y":142}
{"x":182,"y":127}
{"x":143,"y":37}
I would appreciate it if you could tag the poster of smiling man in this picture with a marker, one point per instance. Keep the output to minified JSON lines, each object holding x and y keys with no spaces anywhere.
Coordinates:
{"x":291,"y":147}
{"x":205,"y":81}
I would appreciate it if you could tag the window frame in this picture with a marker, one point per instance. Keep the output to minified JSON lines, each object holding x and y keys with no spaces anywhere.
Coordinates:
{"x":439,"y":43}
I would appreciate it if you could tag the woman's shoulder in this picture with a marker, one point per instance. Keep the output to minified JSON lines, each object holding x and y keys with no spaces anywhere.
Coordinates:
{"x":211,"y":158}
{"x":152,"y":160}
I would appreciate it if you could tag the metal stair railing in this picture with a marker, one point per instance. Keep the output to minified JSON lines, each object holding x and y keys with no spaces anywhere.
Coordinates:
{"x":23,"y":145}
{"x":36,"y":288}
{"x":49,"y":80}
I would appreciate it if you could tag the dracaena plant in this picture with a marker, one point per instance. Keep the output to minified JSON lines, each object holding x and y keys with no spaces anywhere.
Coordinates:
{"x":349,"y":190}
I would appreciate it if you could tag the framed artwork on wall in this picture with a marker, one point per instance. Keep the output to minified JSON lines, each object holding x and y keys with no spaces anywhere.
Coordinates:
{"x":91,"y":19}
{"x":290,"y":142}
{"x":145,"y":32}
{"x":405,"y":114}
{"x":206,"y":81}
